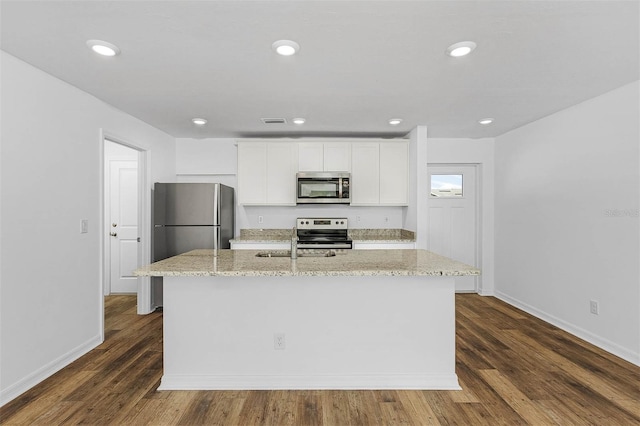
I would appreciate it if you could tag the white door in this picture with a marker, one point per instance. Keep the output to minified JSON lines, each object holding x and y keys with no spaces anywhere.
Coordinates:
{"x":452,"y":217}
{"x":123,"y":220}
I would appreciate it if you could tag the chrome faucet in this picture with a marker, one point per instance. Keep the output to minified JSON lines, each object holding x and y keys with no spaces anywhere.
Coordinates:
{"x":294,"y":243}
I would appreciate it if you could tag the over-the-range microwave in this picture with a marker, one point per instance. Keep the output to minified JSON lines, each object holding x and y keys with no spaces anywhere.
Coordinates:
{"x":323,"y":187}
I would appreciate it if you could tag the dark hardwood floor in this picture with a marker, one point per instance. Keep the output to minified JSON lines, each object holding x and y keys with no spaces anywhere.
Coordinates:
{"x":514,"y":370}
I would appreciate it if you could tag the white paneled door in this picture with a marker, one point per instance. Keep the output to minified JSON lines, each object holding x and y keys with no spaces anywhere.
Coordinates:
{"x":123,"y":193}
{"x":452,"y":217}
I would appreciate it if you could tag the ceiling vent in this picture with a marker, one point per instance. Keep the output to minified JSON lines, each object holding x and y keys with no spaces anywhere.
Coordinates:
{"x":274,"y":120}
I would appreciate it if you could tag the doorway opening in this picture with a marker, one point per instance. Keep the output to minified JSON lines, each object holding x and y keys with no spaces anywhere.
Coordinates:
{"x":453,"y":217}
{"x":124,"y":220}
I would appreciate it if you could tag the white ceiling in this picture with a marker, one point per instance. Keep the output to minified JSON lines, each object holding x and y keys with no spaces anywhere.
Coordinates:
{"x":360,"y":63}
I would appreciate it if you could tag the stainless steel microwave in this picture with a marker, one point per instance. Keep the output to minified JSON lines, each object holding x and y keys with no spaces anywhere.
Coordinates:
{"x":323,"y":187}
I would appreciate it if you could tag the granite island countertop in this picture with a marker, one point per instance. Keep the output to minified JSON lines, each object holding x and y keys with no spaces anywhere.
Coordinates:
{"x":345,"y":263}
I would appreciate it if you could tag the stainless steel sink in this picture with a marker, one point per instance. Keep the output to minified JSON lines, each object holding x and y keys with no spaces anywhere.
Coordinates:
{"x":301,"y":253}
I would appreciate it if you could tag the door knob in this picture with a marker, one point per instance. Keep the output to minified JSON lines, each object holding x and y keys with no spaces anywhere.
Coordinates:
{"x":114,"y":234}
{"x":114,"y":224}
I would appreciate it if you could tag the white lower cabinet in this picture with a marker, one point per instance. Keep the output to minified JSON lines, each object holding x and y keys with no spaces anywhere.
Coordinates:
{"x":266,"y":173}
{"x":260,"y":246}
{"x":363,"y":245}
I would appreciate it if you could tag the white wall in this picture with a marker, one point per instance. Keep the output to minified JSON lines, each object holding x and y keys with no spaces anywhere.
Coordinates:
{"x":207,"y":160}
{"x":481,"y":153}
{"x":567,"y":225}
{"x":50,"y":299}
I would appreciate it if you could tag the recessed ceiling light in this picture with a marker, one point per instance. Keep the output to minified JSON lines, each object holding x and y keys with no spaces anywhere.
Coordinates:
{"x":395,"y":121}
{"x":199,"y":121}
{"x":486,"y":121}
{"x":103,"y":48}
{"x":285,"y":47}
{"x":298,"y":121}
{"x":461,"y":49}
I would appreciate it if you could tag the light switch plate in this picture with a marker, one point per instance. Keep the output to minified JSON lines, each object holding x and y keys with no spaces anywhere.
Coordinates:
{"x":84,"y":226}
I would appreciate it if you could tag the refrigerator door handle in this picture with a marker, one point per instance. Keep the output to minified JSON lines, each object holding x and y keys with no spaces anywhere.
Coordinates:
{"x":216,"y":205}
{"x":216,"y":237}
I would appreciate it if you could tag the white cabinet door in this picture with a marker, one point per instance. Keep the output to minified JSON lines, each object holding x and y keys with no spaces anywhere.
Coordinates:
{"x":394,"y":173}
{"x":365,"y":173}
{"x":310,"y":157}
{"x":337,"y":156}
{"x":324,"y":156}
{"x":361,"y":245}
{"x":252,"y":173}
{"x":282,"y":165}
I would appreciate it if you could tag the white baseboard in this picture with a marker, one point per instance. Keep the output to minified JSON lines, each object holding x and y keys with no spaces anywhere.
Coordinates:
{"x":602,"y":343}
{"x":315,"y":382}
{"x":46,"y":371}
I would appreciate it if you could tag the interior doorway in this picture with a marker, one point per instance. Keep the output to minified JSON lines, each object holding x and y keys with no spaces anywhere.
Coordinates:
{"x":125,"y":169}
{"x":453,"y":225}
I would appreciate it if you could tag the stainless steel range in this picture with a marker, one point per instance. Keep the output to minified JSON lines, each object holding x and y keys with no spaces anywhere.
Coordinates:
{"x":323,"y":233}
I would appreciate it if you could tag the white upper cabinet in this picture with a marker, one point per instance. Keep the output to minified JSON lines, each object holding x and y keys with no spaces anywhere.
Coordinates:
{"x":365,"y":173}
{"x":380,"y":173}
{"x":324,"y":157}
{"x":310,"y":157}
{"x":379,"y":169}
{"x":337,"y":156}
{"x":394,"y":173}
{"x":252,"y":173}
{"x":282,"y":165}
{"x":266,"y":173}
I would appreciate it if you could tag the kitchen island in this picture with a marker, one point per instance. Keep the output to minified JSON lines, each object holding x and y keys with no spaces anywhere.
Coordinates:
{"x":362,"y":319}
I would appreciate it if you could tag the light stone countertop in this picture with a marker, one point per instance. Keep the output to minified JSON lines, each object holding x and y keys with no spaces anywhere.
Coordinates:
{"x":345,"y":263}
{"x":393,"y":235}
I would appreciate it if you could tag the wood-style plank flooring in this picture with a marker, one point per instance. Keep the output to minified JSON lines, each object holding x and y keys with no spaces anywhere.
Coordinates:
{"x":514,"y":370}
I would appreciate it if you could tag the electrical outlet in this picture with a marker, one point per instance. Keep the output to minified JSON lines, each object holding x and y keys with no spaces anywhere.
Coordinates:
{"x":84,"y":226}
{"x":357,"y":218}
{"x":386,"y":219}
{"x":260,"y":219}
{"x":278,"y":341}
{"x":594,"y":307}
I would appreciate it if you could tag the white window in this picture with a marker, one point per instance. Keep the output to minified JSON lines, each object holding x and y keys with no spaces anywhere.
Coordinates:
{"x":446,"y":186}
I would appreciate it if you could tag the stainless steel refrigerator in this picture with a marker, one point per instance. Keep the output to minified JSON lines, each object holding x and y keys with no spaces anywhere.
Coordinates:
{"x":189,"y":216}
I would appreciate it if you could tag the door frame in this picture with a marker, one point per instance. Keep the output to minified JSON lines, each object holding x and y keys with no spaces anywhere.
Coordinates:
{"x":477,"y":210}
{"x":144,"y":222}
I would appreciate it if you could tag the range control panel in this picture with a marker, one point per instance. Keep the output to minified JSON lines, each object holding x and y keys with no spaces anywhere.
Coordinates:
{"x":321,"y":223}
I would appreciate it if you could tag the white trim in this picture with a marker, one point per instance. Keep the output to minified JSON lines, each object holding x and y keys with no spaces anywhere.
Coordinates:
{"x":144,"y":222}
{"x":144,"y":230}
{"x":308,"y":382}
{"x":102,"y":269}
{"x":48,"y":370}
{"x":613,"y":348}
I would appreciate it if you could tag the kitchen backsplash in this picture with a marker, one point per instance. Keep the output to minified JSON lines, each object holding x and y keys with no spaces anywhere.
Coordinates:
{"x":280,"y":217}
